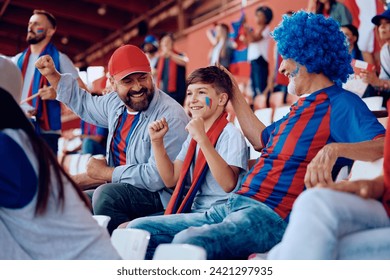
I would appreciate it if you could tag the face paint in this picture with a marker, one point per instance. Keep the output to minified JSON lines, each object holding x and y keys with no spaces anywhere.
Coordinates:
{"x":291,"y":87}
{"x":40,"y":30}
{"x":209,"y":101}
{"x":295,"y":72}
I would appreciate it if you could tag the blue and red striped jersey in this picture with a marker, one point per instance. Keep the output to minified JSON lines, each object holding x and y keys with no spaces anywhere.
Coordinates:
{"x":125,"y":127}
{"x":329,"y":115}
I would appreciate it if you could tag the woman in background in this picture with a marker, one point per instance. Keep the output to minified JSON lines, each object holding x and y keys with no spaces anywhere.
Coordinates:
{"x":352,"y":34}
{"x":223,"y":47}
{"x":331,"y":8}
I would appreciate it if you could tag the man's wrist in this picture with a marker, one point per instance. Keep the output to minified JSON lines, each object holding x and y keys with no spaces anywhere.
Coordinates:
{"x":158,"y":142}
{"x":54,"y":79}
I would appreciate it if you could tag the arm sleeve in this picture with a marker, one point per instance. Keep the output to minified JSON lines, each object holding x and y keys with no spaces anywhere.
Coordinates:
{"x":183,"y":152}
{"x":385,"y":63}
{"x":266,"y":133}
{"x":231,"y":146}
{"x":92,"y":109}
{"x":66,"y":66}
{"x":355,"y":123}
{"x":18,"y":181}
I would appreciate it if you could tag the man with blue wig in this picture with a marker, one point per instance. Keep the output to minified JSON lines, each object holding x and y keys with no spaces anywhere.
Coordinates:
{"x":297,"y":151}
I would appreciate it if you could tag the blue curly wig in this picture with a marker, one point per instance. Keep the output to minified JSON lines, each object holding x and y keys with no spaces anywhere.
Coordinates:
{"x":315,"y":42}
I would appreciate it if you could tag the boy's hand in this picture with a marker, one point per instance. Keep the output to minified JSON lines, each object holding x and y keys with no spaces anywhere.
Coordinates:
{"x":158,"y":129}
{"x":45,"y":65}
{"x":196,"y":129}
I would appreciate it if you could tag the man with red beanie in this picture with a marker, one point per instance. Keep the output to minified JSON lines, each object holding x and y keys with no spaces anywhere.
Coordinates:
{"x":135,"y":188}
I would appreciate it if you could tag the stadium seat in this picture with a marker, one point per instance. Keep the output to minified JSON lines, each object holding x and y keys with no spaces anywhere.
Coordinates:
{"x":102,"y":220}
{"x":280,"y":112}
{"x":374,"y":103}
{"x":179,"y":252}
{"x":131,"y":244}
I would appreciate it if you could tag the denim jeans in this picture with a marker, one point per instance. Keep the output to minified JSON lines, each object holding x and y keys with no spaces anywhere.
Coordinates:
{"x":327,"y":224}
{"x":232,"y":230}
{"x":259,"y":75}
{"x":124,"y":202}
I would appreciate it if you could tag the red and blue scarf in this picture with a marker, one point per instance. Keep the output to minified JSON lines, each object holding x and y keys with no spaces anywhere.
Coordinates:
{"x":180,"y":202}
{"x":48,"y":111}
{"x":172,"y":70}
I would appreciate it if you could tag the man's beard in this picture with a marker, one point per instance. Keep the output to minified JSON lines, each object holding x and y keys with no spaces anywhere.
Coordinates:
{"x":291,"y":88}
{"x":140,"y":105}
{"x":35,"y":40}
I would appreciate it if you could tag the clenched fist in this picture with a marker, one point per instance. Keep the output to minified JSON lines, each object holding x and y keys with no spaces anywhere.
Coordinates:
{"x":46,"y":67}
{"x":197,"y":130}
{"x":158,"y":129}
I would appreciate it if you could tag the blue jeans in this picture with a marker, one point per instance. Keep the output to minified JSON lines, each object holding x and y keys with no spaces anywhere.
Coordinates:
{"x":327,"y":224}
{"x":232,"y":230}
{"x":259,"y":75}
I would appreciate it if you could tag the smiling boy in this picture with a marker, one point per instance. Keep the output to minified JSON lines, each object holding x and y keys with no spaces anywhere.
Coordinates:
{"x":215,"y":152}
{"x":211,"y":138}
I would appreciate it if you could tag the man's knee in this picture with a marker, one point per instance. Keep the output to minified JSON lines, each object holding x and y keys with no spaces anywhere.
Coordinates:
{"x":105,"y":196}
{"x":137,"y":223}
{"x":191,"y":235}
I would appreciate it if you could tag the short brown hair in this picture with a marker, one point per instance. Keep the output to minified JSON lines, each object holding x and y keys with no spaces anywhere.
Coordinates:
{"x":48,"y":15}
{"x":214,"y":76}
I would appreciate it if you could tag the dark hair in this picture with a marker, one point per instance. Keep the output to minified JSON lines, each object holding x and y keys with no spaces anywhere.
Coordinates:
{"x":213,"y":76}
{"x":356,"y":53}
{"x":12,"y":116}
{"x":320,"y":6}
{"x":225,"y":27}
{"x":289,"y":12}
{"x":168,"y":34}
{"x":353,"y":29}
{"x":267,"y":13}
{"x":224,"y":52}
{"x":48,"y":15}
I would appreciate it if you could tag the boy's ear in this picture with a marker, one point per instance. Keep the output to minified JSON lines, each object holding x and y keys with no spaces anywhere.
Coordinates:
{"x":223,"y":99}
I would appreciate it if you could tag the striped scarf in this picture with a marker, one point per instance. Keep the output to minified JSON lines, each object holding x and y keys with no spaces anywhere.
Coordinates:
{"x":180,"y":202}
{"x":48,"y":111}
{"x":172,"y":70}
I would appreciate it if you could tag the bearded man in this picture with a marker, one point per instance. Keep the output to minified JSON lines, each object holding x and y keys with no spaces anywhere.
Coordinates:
{"x":135,"y":188}
{"x":45,"y":110}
